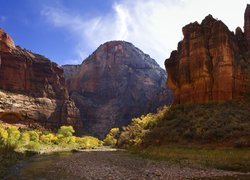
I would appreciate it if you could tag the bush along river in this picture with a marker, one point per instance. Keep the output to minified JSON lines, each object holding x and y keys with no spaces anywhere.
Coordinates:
{"x":104,"y":164}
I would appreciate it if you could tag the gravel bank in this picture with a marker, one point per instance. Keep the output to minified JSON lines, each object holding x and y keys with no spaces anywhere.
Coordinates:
{"x":121,"y":165}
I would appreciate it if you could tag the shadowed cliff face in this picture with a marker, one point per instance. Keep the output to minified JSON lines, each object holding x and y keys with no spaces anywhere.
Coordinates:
{"x":211,"y":62}
{"x":247,"y":25}
{"x":116,"y":83}
{"x":33,"y":87}
{"x":70,"y":70}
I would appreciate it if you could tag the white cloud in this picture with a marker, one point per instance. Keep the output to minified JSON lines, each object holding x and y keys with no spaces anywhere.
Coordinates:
{"x":153,"y":26}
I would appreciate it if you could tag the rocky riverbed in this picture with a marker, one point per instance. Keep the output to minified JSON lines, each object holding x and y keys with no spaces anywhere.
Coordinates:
{"x":110,"y":165}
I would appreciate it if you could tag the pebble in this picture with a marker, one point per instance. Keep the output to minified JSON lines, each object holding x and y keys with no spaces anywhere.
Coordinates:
{"x":121,"y":165}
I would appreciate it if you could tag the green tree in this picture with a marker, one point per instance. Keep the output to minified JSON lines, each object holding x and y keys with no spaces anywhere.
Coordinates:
{"x":88,"y":142}
{"x":3,"y":136}
{"x":34,"y":136}
{"x":111,"y":137}
{"x":25,"y":138}
{"x":48,"y":138}
{"x":13,"y":136}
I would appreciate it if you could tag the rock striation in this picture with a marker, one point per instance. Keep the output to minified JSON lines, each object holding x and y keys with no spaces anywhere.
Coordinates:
{"x":32,"y":88}
{"x":116,"y":83}
{"x":211,"y":62}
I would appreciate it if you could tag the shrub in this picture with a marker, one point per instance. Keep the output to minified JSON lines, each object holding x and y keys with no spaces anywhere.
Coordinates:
{"x":13,"y":136}
{"x":12,"y":139}
{"x":34,"y":136}
{"x":34,"y":146}
{"x":72,"y":140}
{"x":133,"y":134}
{"x":112,"y":136}
{"x":66,"y":131}
{"x":25,"y":138}
{"x":48,"y":138}
{"x":88,"y":142}
{"x":212,"y":122}
{"x":3,"y":136}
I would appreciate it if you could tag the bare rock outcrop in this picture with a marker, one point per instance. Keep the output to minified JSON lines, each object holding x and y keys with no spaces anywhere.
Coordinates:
{"x":32,"y":88}
{"x":6,"y":42}
{"x":211,"y":62}
{"x":116,"y":83}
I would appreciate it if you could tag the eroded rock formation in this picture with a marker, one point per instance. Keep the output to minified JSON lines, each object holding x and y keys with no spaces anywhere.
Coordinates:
{"x":32,"y":88}
{"x":116,"y":83}
{"x":211,"y":62}
{"x":6,"y":43}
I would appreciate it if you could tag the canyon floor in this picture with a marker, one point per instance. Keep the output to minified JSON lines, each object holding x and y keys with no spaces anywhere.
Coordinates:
{"x":111,"y":165}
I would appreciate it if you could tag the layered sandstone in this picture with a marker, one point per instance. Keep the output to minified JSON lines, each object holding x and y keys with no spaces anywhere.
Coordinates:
{"x":116,"y":83}
{"x":6,"y":43}
{"x":211,"y":62}
{"x":32,"y":88}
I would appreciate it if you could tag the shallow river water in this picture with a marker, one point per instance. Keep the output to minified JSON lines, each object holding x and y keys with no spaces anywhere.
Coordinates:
{"x":40,"y":167}
{"x":43,"y":167}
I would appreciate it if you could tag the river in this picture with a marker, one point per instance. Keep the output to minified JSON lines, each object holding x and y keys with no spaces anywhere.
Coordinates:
{"x":107,"y":165}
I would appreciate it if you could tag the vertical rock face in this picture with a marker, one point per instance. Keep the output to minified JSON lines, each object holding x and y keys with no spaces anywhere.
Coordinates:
{"x":6,"y":43}
{"x":116,"y":83}
{"x":32,"y":88}
{"x":247,"y":25}
{"x":211,"y":62}
{"x":70,"y":70}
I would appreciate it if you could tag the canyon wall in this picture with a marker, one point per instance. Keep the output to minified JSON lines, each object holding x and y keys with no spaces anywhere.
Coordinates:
{"x":32,"y":88}
{"x":211,"y":63}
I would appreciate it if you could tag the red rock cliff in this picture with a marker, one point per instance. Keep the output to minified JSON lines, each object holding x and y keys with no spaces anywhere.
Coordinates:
{"x":115,"y":84}
{"x":211,"y":62}
{"x":32,"y":88}
{"x":247,"y":25}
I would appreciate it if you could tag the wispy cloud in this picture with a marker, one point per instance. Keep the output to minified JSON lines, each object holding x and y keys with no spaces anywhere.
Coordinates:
{"x":153,"y":26}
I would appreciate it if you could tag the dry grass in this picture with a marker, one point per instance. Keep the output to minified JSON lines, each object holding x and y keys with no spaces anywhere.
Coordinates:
{"x":220,"y":158}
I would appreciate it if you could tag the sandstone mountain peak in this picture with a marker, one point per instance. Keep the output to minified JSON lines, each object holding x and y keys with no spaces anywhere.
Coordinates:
{"x":126,"y":49}
{"x":211,"y":63}
{"x":116,"y":83}
{"x":6,"y":42}
{"x":209,"y":20}
{"x":247,"y":25}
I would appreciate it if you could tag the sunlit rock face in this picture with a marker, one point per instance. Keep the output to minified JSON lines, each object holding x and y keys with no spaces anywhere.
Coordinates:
{"x":33,"y":87}
{"x":211,"y":62}
{"x":6,"y":43}
{"x":116,"y":83}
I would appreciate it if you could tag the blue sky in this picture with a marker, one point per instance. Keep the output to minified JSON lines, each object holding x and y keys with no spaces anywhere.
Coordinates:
{"x":67,"y":31}
{"x":24,"y":21}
